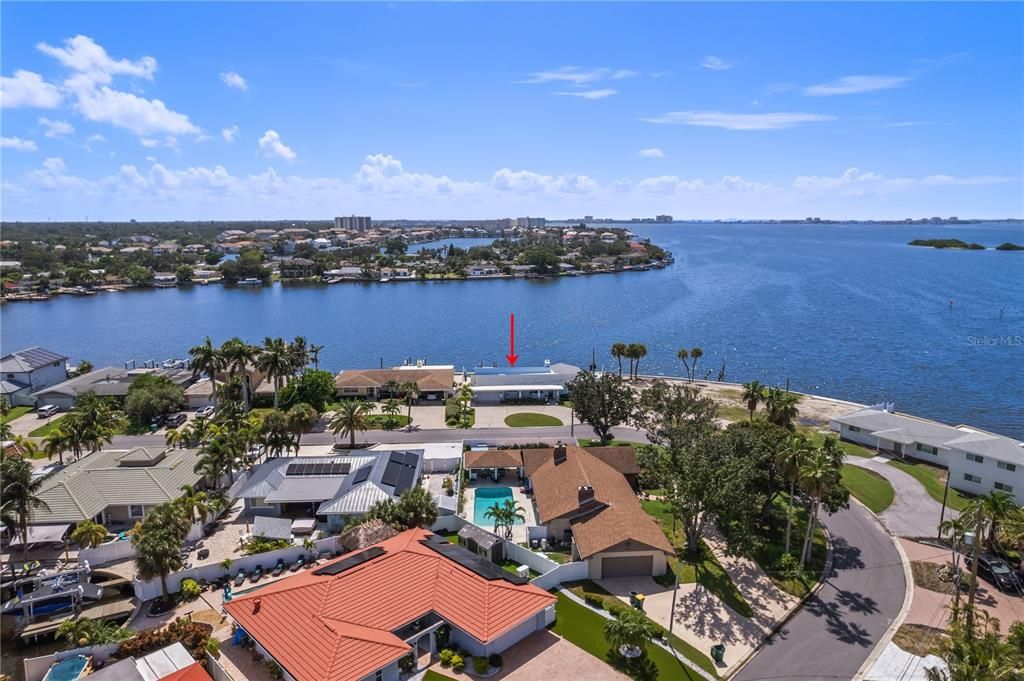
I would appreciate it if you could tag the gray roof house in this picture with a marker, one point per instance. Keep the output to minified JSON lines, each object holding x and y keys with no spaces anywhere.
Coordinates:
{"x":24,"y":372}
{"x":339,"y":488}
{"x":108,"y":381}
{"x":116,"y":487}
{"x":498,"y":384}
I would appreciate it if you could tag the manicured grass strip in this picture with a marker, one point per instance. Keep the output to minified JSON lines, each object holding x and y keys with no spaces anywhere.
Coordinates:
{"x":584,"y":628}
{"x":587,"y":442}
{"x":431,"y":675}
{"x":934,"y":480}
{"x":703,"y":569}
{"x":47,"y":428}
{"x":870,"y":488}
{"x":387,"y":421}
{"x":15,"y":412}
{"x":773,"y":540}
{"x":531,"y":420}
{"x":849,"y":448}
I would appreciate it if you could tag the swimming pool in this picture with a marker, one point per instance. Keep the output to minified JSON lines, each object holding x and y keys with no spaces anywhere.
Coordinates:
{"x":67,"y":669}
{"x":486,"y":498}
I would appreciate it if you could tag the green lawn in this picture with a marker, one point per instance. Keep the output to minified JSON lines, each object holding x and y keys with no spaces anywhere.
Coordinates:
{"x":584,"y":628}
{"x":431,"y":675}
{"x":46,"y":428}
{"x":817,"y":439}
{"x":587,"y":442}
{"x":870,"y":488}
{"x":511,"y":565}
{"x":731,"y":412}
{"x":934,"y":480}
{"x":769,"y":553}
{"x":531,"y":420}
{"x":15,"y":412}
{"x":380,"y":421}
{"x":702,"y":569}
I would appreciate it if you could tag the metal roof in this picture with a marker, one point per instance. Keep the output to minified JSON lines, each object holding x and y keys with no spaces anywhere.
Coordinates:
{"x":272,"y":528}
{"x":29,"y":359}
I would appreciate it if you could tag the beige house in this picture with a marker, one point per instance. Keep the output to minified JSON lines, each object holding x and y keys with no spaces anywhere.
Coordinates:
{"x":375,"y":383}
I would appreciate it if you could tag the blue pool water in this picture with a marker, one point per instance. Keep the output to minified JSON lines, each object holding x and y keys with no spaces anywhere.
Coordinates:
{"x":489,"y":497}
{"x":68,"y":669}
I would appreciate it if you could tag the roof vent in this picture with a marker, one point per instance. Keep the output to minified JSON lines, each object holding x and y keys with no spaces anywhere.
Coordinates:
{"x":256,"y":603}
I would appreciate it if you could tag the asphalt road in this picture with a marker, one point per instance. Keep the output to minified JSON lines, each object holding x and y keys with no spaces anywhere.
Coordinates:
{"x":913,"y":512}
{"x":836,"y":630}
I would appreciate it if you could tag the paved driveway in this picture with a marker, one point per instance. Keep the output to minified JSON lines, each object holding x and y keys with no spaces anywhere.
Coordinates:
{"x":836,"y":630}
{"x":913,"y":512}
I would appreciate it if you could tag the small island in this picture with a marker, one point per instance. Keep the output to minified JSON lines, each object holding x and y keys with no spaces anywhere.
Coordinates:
{"x":1007,"y":246}
{"x":947,"y":243}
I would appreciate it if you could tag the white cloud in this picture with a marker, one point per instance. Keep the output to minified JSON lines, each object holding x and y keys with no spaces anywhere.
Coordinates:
{"x":589,"y":94}
{"x":579,"y":76}
{"x":229,"y":134}
{"x":651,"y":152}
{"x":851,"y":85}
{"x":738,"y":121}
{"x":528,"y":182}
{"x":271,"y":145}
{"x":716,"y":63}
{"x":28,"y":89}
{"x":233,"y":80}
{"x":383,"y":173}
{"x":56,"y":128}
{"x":17,"y":143}
{"x":854,"y":182}
{"x":95,"y":139}
{"x":905,"y":124}
{"x":729,"y":184}
{"x":82,"y":55}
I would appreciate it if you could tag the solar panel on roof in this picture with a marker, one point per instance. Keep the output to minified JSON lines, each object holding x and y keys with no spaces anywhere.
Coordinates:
{"x":471,"y":561}
{"x":319,"y":468}
{"x":397,"y":457}
{"x":406,"y":478}
{"x":362,"y":474}
{"x":391,"y":472}
{"x":352,"y":561}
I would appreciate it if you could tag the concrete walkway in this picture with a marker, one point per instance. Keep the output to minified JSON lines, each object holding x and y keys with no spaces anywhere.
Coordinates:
{"x":913,"y":512}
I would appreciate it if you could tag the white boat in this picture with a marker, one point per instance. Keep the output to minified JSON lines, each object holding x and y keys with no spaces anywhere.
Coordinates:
{"x":250,"y":281}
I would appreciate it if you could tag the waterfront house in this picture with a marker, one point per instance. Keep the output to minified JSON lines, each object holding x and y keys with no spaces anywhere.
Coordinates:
{"x":431,"y":381}
{"x":345,"y":273}
{"x":106,"y":382}
{"x":356,"y":616}
{"x":492,"y":385}
{"x":195,"y":248}
{"x":298,"y":268}
{"x":483,"y":269}
{"x":27,"y":371}
{"x":335,"y":490}
{"x":978,"y":462}
{"x":116,"y":487}
{"x":165,"y":247}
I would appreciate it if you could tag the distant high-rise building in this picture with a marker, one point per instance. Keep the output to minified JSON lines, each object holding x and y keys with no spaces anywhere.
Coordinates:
{"x":663,"y":218}
{"x":353,"y":222}
{"x":588,"y":218}
{"x":531,"y":223}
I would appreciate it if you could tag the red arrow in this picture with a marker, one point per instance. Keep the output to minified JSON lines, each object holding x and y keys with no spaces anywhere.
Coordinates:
{"x":512,"y":356}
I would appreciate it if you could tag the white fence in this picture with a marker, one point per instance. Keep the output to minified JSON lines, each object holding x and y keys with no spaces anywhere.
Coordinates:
{"x":448,"y":523}
{"x":151,"y":589}
{"x":215,"y":669}
{"x":566,"y":572}
{"x":120,"y":550}
{"x":36,"y":667}
{"x":525,"y":556}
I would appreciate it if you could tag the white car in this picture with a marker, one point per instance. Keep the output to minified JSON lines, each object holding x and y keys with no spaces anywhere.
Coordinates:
{"x":255,"y":452}
{"x":205,"y":412}
{"x":47,"y":410}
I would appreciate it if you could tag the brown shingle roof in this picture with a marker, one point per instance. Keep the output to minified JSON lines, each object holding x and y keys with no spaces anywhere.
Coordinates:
{"x":613,"y":518}
{"x":426,"y":379}
{"x":493,"y":458}
{"x":622,"y":459}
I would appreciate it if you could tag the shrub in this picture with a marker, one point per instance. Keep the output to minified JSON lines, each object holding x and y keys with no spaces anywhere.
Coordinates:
{"x":213,"y":647}
{"x":190,"y":589}
{"x":593,"y":601}
{"x":192,"y":635}
{"x":275,"y":669}
{"x":442,"y":634}
{"x":495,"y":660}
{"x":480,"y":665}
{"x":458,"y":664}
{"x":446,"y":657}
{"x":451,"y":422}
{"x":789,"y":567}
{"x":407,"y":664}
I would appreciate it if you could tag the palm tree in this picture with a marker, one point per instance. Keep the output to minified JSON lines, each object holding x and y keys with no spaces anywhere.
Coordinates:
{"x":194,"y":503}
{"x":782,"y":407}
{"x":209,"y":360}
{"x":619,"y":350}
{"x":956,"y":528}
{"x":92,"y":423}
{"x":392,"y":409}
{"x":629,"y":630}
{"x":158,"y":543}
{"x":351,"y":416}
{"x":639,"y":351}
{"x":818,"y":475}
{"x":412,"y":393}
{"x":998,"y":507}
{"x":275,"y":360}
{"x":299,"y":351}
{"x":56,"y":442}
{"x":466,"y":395}
{"x":301,"y":418}
{"x":511,"y":512}
{"x":88,"y":533}
{"x":986,"y":510}
{"x":416,"y":508}
{"x":238,"y":357}
{"x":314,"y":354}
{"x":790,"y":459}
{"x":498,"y":515}
{"x":20,"y":496}
{"x":274,"y":434}
{"x":753,"y":393}
{"x":175,"y":438}
{"x":684,"y":356}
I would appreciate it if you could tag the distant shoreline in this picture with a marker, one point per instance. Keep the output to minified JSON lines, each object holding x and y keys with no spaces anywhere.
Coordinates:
{"x":957,"y":244}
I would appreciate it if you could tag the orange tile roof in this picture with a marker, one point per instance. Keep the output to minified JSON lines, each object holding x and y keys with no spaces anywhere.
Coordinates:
{"x":338,"y":627}
{"x":193,"y":672}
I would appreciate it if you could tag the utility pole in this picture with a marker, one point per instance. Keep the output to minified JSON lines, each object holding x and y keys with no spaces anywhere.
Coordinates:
{"x":942,"y":513}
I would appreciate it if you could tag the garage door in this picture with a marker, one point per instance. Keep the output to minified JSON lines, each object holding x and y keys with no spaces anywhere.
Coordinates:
{"x":629,"y":566}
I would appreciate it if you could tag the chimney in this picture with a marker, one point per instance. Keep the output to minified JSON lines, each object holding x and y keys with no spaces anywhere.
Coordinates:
{"x":586,"y":494}
{"x":559,"y":453}
{"x":257,"y":601}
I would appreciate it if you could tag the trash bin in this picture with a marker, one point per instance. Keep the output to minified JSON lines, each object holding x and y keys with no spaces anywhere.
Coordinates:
{"x":718,"y":653}
{"x":636,"y":599}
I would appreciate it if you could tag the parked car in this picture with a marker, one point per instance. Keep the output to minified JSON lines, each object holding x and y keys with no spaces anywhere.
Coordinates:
{"x":255,"y":452}
{"x":995,"y":570}
{"x":158,"y":421}
{"x":176,"y":420}
{"x":205,"y":412}
{"x":47,"y":410}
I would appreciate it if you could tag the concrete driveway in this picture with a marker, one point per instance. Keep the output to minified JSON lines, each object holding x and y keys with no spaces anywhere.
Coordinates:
{"x":23,"y":425}
{"x":913,"y":512}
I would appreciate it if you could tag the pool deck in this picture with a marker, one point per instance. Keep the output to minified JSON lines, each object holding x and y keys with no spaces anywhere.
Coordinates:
{"x":519,"y":532}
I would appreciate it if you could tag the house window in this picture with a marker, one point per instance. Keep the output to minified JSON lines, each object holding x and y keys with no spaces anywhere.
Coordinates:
{"x":975,"y":458}
{"x":927,"y":449}
{"x":136,"y":510}
{"x":378,"y":675}
{"x":1006,"y":466}
{"x":972,"y":478}
{"x":1002,"y":487}
{"x":854,"y":429}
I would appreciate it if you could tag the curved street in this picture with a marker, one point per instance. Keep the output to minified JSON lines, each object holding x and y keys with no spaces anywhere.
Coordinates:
{"x":835,"y":631}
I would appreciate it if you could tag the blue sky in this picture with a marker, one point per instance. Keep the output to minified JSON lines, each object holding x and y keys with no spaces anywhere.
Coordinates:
{"x":259,"y":110}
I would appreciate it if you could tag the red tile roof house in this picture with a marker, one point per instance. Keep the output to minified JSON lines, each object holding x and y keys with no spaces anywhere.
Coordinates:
{"x":355,"y":617}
